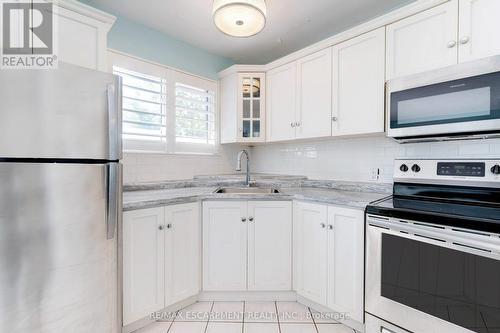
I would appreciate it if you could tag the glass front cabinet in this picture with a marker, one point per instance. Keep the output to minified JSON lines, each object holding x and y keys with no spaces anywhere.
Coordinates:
{"x":243,"y":108}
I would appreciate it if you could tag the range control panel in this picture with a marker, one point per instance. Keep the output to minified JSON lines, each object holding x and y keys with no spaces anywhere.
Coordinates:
{"x":465,"y":169}
{"x":422,"y":171}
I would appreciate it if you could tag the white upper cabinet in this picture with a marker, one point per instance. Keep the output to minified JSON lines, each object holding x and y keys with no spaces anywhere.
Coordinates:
{"x":423,"y":42}
{"x":182,"y":252}
{"x":82,"y":35}
{"x":143,"y":263}
{"x":224,"y":245}
{"x":269,"y":245}
{"x":358,"y":85}
{"x":479,"y":27}
{"x":314,"y":95}
{"x":243,"y":107}
{"x":281,"y":102}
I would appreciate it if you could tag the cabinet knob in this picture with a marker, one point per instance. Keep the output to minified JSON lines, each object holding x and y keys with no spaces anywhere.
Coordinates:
{"x":169,"y":226}
{"x":451,"y":44}
{"x":464,"y":40}
{"x":243,"y":219}
{"x":297,"y":124}
{"x":330,"y":227}
{"x":334,"y":118}
{"x":250,"y":219}
{"x":323,"y":225}
{"x":292,"y":124}
{"x":161,"y":227}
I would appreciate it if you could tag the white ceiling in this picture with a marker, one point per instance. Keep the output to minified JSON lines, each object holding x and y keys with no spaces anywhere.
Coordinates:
{"x":291,"y":24}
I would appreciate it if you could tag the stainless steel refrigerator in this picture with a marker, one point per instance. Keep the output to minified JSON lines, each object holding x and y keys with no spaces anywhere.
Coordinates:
{"x":60,"y":200}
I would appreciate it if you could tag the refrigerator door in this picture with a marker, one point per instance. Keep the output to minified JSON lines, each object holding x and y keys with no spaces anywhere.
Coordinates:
{"x":58,"y":269}
{"x":69,"y":112}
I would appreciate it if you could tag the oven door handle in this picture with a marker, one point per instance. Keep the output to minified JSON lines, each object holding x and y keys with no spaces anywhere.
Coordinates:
{"x":468,"y":242}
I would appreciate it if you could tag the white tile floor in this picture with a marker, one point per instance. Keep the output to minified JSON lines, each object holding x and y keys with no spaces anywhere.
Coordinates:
{"x":246,"y":317}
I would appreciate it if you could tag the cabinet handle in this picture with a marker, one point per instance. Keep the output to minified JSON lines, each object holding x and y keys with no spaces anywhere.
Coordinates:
{"x":334,"y":118}
{"x":250,"y":219}
{"x":323,"y":225}
{"x":161,"y":227}
{"x":243,"y":219}
{"x":452,"y":43}
{"x":330,"y":227}
{"x":464,"y":40}
{"x":169,"y":226}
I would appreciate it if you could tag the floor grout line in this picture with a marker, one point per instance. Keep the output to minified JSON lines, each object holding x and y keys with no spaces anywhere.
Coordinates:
{"x":314,"y":321}
{"x":209,"y":313}
{"x":277,"y":316}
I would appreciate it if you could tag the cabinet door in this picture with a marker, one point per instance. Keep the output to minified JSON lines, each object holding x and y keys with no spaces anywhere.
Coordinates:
{"x":143,"y":263}
{"x":345,"y":261}
{"x":182,"y":252}
{"x":424,"y":41}
{"x":314,"y":89}
{"x":310,"y":228}
{"x":269,"y":245}
{"x":281,"y":90}
{"x":224,"y":245}
{"x":81,"y":40}
{"x":479,"y":25}
{"x":251,"y":107}
{"x":358,"y":85}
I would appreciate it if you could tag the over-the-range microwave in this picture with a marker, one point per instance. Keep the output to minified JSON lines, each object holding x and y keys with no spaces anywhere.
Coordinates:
{"x":457,"y":102}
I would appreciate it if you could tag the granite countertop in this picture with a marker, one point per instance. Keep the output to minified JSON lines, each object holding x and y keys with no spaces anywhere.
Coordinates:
{"x":353,"y":195}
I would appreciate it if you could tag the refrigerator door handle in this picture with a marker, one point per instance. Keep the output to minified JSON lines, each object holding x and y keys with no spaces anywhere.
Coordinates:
{"x":114,"y":198}
{"x":114,"y":98}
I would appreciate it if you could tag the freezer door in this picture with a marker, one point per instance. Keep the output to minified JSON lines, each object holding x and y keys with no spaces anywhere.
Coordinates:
{"x":69,"y":112}
{"x":58,"y":269}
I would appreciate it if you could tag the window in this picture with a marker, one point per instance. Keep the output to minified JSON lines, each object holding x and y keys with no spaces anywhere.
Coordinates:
{"x":144,"y":106}
{"x":194,"y":115}
{"x":165,"y":110}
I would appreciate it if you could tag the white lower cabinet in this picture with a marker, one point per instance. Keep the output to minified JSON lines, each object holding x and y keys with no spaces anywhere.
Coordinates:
{"x":247,"y":245}
{"x":269,"y":245}
{"x":311,"y":242}
{"x":329,"y":245}
{"x":346,"y":261}
{"x":161,"y":256}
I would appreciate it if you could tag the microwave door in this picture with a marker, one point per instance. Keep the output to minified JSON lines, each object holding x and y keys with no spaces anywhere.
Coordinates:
{"x":65,"y":113}
{"x":452,"y":107}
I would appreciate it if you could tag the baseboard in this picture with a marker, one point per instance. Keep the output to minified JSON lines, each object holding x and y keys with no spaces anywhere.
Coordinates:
{"x":360,"y":327}
{"x":249,"y":296}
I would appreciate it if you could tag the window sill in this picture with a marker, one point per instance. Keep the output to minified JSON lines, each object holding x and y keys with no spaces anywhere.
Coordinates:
{"x":131,"y":151}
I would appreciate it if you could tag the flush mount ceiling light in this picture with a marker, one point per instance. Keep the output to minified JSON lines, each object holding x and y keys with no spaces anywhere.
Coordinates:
{"x":240,"y":18}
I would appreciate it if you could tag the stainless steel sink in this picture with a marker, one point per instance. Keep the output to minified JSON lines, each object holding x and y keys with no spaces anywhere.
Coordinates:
{"x":247,"y":190}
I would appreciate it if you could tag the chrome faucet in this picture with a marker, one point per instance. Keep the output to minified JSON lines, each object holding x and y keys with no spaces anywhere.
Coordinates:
{"x":238,"y":166}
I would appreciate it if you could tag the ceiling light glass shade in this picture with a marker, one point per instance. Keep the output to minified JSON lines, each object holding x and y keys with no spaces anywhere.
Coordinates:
{"x":240,"y":18}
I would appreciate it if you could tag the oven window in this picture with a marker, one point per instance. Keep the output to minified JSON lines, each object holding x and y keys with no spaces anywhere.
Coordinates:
{"x":455,"y":286}
{"x":470,"y":99}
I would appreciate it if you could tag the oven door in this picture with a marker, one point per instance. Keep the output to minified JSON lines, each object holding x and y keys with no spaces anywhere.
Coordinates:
{"x":432,"y":279}
{"x":440,"y":104}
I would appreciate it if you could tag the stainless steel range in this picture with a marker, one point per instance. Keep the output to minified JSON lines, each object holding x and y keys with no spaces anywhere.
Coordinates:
{"x":433,"y":249}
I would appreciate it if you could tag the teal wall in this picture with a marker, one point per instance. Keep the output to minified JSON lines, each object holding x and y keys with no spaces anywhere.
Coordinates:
{"x":138,"y":40}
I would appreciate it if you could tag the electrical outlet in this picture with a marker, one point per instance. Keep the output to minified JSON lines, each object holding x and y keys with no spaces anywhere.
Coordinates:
{"x":375,"y":174}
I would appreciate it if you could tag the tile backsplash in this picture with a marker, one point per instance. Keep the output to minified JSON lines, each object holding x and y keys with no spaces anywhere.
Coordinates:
{"x":143,"y":167}
{"x":356,"y":159}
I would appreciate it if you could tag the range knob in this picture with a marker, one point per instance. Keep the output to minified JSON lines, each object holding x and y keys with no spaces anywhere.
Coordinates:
{"x":404,"y":168}
{"x":495,"y":169}
{"x":415,"y":168}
